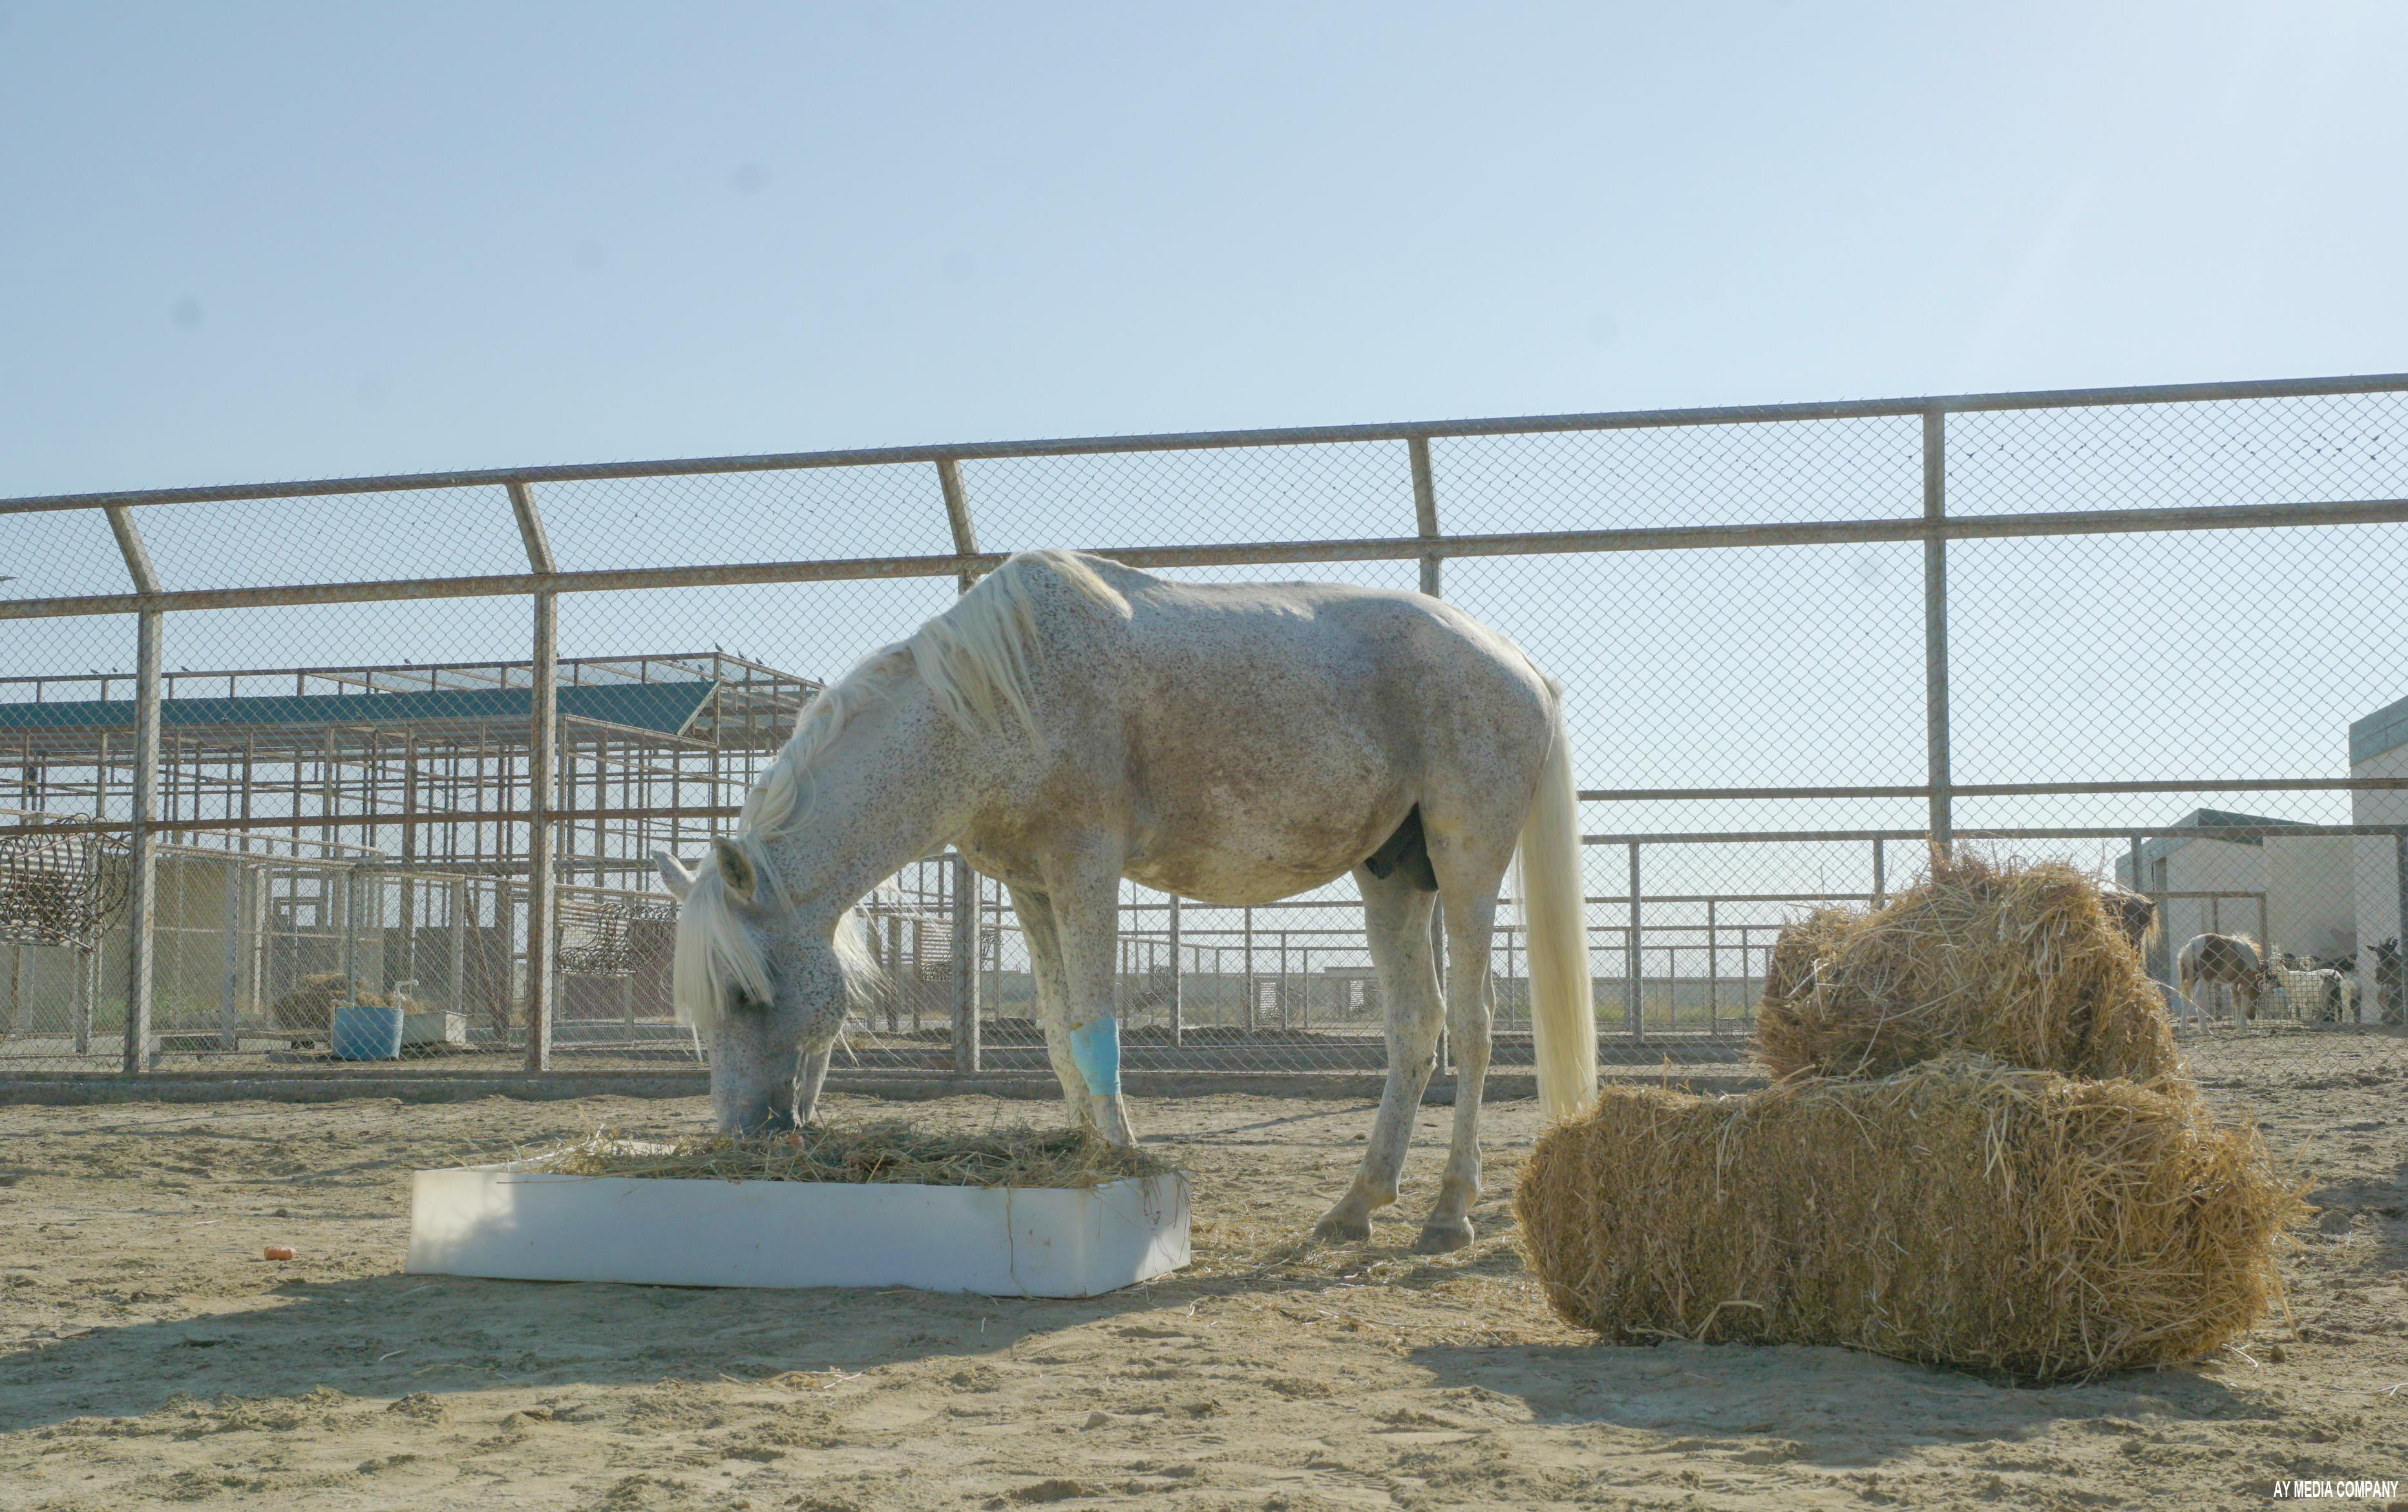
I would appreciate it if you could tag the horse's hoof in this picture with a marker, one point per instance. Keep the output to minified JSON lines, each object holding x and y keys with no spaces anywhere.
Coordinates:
{"x":1342,"y":1228}
{"x":1444,"y":1238}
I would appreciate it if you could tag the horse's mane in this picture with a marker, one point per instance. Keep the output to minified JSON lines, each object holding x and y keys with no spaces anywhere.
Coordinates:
{"x":980,"y":660}
{"x":982,"y":657}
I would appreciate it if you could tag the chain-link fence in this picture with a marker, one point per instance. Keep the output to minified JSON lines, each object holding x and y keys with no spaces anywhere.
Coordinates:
{"x":272,"y":753}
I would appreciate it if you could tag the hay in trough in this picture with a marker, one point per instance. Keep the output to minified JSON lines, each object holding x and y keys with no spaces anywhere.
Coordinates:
{"x":891,"y":1150}
{"x":2020,"y":962}
{"x":1960,"y":1213}
{"x":309,"y":1007}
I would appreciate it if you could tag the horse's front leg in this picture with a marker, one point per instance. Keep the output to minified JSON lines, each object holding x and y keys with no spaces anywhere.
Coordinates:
{"x":1037,"y":928}
{"x":1087,"y":927}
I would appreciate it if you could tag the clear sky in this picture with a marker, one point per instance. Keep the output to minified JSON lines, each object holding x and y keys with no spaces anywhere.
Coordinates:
{"x":243,"y":242}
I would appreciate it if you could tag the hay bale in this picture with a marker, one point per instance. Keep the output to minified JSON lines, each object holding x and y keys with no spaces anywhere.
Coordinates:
{"x":2019,"y":963}
{"x":1960,"y":1213}
{"x":310,"y":1004}
{"x":1801,"y":944}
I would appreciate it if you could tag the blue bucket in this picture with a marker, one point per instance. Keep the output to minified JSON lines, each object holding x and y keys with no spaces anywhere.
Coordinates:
{"x":366,"y":1034}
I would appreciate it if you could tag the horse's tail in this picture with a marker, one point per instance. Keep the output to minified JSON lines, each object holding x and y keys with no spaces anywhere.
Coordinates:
{"x":1563,"y":1016}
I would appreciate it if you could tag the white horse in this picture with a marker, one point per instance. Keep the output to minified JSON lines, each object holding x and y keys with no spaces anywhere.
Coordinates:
{"x":1069,"y":722}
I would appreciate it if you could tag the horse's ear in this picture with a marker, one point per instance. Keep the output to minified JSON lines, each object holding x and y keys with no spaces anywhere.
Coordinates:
{"x":735,"y":869}
{"x":678,"y":880}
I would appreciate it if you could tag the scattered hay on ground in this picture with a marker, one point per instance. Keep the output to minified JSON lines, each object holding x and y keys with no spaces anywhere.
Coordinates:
{"x":889,"y":1151}
{"x":1960,"y":1213}
{"x":2017,"y":962}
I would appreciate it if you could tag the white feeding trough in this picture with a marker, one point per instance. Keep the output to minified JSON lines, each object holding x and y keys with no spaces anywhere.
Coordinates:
{"x":520,"y":1222}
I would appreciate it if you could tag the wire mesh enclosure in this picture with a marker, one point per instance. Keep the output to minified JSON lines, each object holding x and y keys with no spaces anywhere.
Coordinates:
{"x":271,"y":752}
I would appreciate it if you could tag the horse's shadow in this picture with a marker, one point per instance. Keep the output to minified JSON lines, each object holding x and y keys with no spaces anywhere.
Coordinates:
{"x":394,"y":1334}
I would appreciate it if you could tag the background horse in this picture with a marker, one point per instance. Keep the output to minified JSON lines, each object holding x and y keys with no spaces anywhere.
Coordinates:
{"x":2134,"y":914}
{"x":1068,"y":722}
{"x":2230,"y":959}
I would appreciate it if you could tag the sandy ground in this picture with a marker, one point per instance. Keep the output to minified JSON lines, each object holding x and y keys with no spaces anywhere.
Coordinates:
{"x":148,"y":1354}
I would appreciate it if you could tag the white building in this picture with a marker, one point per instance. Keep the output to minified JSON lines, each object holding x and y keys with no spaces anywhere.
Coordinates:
{"x":2378,"y":747}
{"x":2296,"y":892}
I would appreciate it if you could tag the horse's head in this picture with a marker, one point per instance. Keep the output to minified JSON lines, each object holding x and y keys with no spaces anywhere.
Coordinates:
{"x":763,"y":987}
{"x":2135,"y":914}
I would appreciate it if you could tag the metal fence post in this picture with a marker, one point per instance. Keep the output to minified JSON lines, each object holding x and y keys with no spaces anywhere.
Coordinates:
{"x":230,"y":926}
{"x":1714,"y":975}
{"x":2399,"y":925}
{"x":1247,"y":926}
{"x":142,"y":883}
{"x":988,"y":963}
{"x":1633,"y":1002}
{"x":543,"y":736}
{"x":458,"y":964}
{"x":1286,"y":1012}
{"x":965,"y":972}
{"x":1417,"y":453}
{"x":408,"y":862}
{"x":543,"y":955}
{"x":1935,"y":630}
{"x":1178,"y":1004}
{"x":346,"y":883}
{"x":87,"y":997}
{"x":957,"y":515}
{"x":1425,"y":509}
{"x":966,"y":914}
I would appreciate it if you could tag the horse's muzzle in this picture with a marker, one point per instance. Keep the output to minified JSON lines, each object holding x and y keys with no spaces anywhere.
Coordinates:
{"x":771,"y":1112}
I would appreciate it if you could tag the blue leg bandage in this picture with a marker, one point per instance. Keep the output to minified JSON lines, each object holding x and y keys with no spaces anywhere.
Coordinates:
{"x":1095,"y":1050}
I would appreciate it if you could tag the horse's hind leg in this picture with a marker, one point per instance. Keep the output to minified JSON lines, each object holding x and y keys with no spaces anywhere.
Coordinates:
{"x":1036,"y":911}
{"x":1469,"y":918}
{"x":1397,"y":927}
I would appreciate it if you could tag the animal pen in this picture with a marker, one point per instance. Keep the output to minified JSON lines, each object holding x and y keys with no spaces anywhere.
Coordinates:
{"x":1799,"y":643}
{"x":350,"y":828}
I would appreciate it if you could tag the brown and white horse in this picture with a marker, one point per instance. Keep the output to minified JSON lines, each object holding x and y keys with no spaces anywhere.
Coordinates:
{"x":2232,"y":960}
